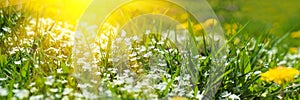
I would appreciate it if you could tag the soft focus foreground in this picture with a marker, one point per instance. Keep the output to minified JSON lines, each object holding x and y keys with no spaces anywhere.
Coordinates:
{"x":36,"y":40}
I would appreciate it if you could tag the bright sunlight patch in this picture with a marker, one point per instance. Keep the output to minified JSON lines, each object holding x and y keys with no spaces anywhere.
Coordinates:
{"x":145,"y":44}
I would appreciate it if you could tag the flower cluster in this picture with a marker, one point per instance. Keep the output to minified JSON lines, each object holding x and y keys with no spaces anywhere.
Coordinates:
{"x":280,"y":74}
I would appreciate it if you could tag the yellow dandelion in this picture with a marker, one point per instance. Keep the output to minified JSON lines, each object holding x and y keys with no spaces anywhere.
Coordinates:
{"x":197,"y":27}
{"x":210,"y":22}
{"x":184,"y":16}
{"x":280,"y":75}
{"x":295,"y":34}
{"x":293,"y":50}
{"x":184,"y":25}
{"x":231,"y":28}
{"x":179,"y":98}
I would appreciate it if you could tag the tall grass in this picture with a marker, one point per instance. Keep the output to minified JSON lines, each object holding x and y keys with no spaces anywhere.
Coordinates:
{"x":36,"y":62}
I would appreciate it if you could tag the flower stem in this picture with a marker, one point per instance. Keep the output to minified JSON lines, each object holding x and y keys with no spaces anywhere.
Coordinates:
{"x":282,"y":92}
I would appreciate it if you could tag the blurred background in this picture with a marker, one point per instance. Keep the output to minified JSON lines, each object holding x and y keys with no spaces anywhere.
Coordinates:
{"x":274,"y":16}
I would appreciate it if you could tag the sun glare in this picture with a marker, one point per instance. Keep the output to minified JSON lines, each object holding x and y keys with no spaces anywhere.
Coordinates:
{"x":60,"y":10}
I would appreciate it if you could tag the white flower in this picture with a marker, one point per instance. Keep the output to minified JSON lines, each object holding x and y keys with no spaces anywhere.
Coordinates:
{"x":36,"y":66}
{"x":161,"y":86}
{"x":162,"y":64}
{"x":53,"y":90}
{"x":200,"y":96}
{"x":230,"y":96}
{"x":129,"y":80}
{"x":257,"y":72}
{"x":17,"y":62}
{"x":58,"y":95}
{"x":50,"y":80}
{"x":6,"y":29}
{"x":16,"y":85}
{"x":79,"y":95}
{"x":118,"y":82}
{"x":64,"y":81}
{"x":59,"y":70}
{"x":33,"y":90}
{"x":21,"y":94}
{"x":31,"y":84}
{"x":3,"y":92}
{"x":135,"y":38}
{"x":234,"y":97}
{"x":3,"y":79}
{"x":84,"y":86}
{"x":37,"y":97}
{"x":65,"y":98}
{"x":67,"y":91}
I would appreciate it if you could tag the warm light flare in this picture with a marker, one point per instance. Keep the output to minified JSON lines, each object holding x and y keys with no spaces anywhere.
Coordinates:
{"x":59,"y":10}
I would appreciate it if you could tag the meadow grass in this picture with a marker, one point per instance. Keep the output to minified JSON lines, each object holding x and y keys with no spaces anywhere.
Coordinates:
{"x":36,"y":63}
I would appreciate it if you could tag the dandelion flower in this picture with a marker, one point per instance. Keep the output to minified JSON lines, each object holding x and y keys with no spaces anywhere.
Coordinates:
{"x":231,"y":28}
{"x":179,"y":98}
{"x":210,"y":22}
{"x":295,"y":34}
{"x":293,"y":50}
{"x":280,"y":75}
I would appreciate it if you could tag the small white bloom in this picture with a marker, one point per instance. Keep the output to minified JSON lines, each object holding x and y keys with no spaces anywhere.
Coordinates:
{"x":200,"y":96}
{"x":54,"y":90}
{"x":118,"y":82}
{"x":16,"y":85}
{"x":3,"y":92}
{"x":65,"y":98}
{"x":79,"y":95}
{"x":21,"y":94}
{"x":162,"y":64}
{"x":234,"y":97}
{"x":3,"y":79}
{"x":17,"y":62}
{"x":6,"y":29}
{"x":257,"y":72}
{"x":64,"y":81}
{"x":38,"y":97}
{"x":50,"y":80}
{"x":67,"y":91}
{"x":84,"y":86}
{"x":57,"y":95}
{"x":59,"y":70}
{"x":33,"y":90}
{"x":135,"y":38}
{"x":36,"y":66}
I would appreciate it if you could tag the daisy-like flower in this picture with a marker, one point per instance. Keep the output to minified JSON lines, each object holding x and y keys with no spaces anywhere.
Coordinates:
{"x":21,"y":94}
{"x":280,"y":74}
{"x":3,"y":92}
{"x":17,"y":62}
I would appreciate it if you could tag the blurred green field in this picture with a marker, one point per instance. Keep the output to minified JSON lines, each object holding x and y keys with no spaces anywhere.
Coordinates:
{"x":276,"y":15}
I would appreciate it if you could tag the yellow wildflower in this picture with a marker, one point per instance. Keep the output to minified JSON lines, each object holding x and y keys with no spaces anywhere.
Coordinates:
{"x":184,"y":16}
{"x":293,"y":50}
{"x":280,"y":74}
{"x":295,"y":34}
{"x":197,"y":27}
{"x":179,"y":98}
{"x":231,"y":28}
{"x":210,"y":22}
